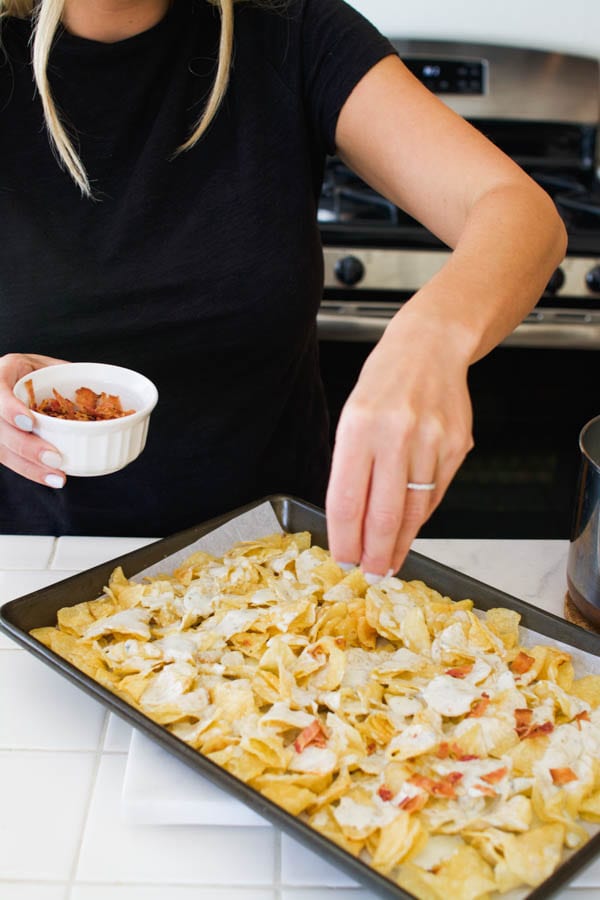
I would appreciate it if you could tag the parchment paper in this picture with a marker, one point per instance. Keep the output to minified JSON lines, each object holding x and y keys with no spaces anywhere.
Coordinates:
{"x":255,"y":523}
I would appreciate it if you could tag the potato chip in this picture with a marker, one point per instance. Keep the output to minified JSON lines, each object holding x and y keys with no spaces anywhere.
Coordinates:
{"x":505,"y":624}
{"x":242,"y":764}
{"x":377,"y":727}
{"x":336,"y":789}
{"x":75,"y":619}
{"x":588,"y":689}
{"x":532,"y":857}
{"x":590,"y":808}
{"x":87,"y":658}
{"x":130,"y":622}
{"x":395,"y":842}
{"x":464,"y":876}
{"x":324,"y":822}
{"x":553,"y":807}
{"x":293,"y":798}
{"x":481,"y":637}
{"x":525,"y":754}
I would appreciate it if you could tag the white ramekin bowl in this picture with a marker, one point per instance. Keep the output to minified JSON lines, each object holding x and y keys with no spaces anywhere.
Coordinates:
{"x":93,"y":448}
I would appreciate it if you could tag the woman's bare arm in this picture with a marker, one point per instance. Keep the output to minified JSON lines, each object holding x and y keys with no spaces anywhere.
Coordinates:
{"x":409,"y":416}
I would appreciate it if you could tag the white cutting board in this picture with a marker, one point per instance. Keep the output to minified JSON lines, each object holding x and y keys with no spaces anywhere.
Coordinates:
{"x":159,"y":789}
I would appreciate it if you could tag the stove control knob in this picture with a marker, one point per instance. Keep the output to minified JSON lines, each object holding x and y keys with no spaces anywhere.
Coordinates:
{"x":349,"y":270}
{"x":592,"y":279}
{"x":557,"y":279}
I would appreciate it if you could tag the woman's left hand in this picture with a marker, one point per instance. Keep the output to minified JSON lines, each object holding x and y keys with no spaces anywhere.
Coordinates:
{"x":407,"y":421}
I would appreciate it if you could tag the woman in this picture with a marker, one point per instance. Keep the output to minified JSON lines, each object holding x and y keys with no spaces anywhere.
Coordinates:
{"x":174,"y":231}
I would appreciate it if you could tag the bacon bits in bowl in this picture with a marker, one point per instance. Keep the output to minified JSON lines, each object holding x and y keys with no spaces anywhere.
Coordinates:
{"x":96,"y":415}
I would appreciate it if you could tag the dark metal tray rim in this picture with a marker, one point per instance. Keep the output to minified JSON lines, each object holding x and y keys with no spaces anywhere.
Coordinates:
{"x":438,"y":576}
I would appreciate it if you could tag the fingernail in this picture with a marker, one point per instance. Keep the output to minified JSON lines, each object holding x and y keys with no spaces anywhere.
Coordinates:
{"x":51,"y":459}
{"x":23,"y":422}
{"x":346,"y":566}
{"x":54,"y":481}
{"x":370,"y":578}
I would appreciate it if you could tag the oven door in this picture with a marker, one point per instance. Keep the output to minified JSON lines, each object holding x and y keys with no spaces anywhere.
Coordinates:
{"x":530,"y":397}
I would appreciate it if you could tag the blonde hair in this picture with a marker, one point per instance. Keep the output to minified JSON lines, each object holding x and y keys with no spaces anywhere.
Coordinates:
{"x":46,"y":15}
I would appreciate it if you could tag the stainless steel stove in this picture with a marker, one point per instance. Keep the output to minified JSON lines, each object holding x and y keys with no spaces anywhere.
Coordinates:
{"x":531,"y":395}
{"x":542,"y":109}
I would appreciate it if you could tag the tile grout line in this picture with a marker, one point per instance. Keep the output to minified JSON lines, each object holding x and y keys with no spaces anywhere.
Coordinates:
{"x":84,"y":752}
{"x":46,"y":882}
{"x":185,"y":885}
{"x":86,"y":811}
{"x":53,"y":553}
{"x":277,"y":864}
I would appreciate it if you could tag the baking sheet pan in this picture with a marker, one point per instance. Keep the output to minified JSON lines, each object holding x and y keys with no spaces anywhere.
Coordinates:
{"x":39,"y":608}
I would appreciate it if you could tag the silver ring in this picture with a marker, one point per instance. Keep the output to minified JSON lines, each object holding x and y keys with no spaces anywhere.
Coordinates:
{"x":421,"y":486}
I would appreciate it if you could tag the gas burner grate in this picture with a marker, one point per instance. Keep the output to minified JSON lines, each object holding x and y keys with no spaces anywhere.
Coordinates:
{"x":347,"y":199}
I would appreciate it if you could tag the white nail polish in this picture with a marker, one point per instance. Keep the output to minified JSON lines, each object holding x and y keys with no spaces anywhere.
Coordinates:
{"x":346,"y":566}
{"x":51,"y":459}
{"x":54,"y":481}
{"x":370,"y":578}
{"x":23,"y":422}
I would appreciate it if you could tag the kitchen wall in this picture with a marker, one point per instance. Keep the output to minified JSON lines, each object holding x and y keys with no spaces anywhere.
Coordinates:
{"x":567,"y":25}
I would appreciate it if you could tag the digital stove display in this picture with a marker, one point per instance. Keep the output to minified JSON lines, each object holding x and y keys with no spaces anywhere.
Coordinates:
{"x":449,"y":76}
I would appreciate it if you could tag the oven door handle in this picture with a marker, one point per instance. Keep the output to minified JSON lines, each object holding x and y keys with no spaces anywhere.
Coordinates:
{"x":578,"y":334}
{"x":349,"y":327}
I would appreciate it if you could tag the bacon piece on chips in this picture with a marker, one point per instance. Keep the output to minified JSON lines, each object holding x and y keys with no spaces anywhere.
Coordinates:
{"x":421,"y":781}
{"x":562,"y":776}
{"x":453,"y":777}
{"x":495,"y":776}
{"x":385,"y":793}
{"x":524,"y":727}
{"x":453,"y":750}
{"x":538,"y":730}
{"x":444,"y":787}
{"x":522,"y":663}
{"x":523,"y":719}
{"x":414,"y":804}
{"x":582,"y":717}
{"x":312,"y":734}
{"x":479,"y":707}
{"x":485,"y":790}
{"x":459,"y":671}
{"x":456,"y":752}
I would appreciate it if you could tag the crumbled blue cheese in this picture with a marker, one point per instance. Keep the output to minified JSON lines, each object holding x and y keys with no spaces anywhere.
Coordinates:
{"x":319,"y":760}
{"x":449,"y":696}
{"x":132,"y":621}
{"x":416,"y":739}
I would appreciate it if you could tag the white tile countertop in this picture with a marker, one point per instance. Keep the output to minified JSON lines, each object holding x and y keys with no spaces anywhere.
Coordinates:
{"x":63,"y":757}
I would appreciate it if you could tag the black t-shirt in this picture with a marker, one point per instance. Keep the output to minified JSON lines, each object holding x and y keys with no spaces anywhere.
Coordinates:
{"x":203,"y":271}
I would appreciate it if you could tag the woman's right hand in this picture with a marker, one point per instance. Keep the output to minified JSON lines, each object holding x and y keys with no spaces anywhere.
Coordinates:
{"x":20,"y":450}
